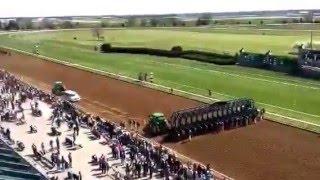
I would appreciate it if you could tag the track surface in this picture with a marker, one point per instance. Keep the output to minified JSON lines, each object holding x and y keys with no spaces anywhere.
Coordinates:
{"x":266,"y":150}
{"x":113,"y":97}
{"x":263,"y":151}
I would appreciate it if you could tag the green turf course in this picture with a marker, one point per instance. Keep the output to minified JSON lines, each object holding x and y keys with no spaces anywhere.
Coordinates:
{"x":278,"y":93}
{"x":280,"y":42}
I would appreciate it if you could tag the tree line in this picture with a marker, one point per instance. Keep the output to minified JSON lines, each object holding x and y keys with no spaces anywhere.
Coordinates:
{"x":51,"y":23}
{"x":28,"y":24}
{"x":204,"y":19}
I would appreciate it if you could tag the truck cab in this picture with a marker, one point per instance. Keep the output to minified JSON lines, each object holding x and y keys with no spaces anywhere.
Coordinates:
{"x":68,"y":95}
{"x":71,"y":96}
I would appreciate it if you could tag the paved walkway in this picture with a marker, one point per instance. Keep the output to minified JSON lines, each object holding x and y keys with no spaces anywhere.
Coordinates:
{"x":80,"y":156}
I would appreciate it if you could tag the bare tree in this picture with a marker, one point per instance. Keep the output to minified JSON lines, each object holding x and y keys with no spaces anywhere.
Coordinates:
{"x":308,"y":17}
{"x":154,"y":22}
{"x":204,"y":19}
{"x":48,"y":24}
{"x":144,"y":23}
{"x":67,"y":25}
{"x":97,"y":32}
{"x":25,"y":23}
{"x":12,"y":25}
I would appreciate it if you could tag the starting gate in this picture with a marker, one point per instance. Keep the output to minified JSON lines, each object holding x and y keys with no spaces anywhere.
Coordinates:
{"x":216,"y":116}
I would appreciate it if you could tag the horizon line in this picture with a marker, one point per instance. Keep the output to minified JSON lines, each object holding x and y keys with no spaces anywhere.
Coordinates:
{"x":159,"y":14}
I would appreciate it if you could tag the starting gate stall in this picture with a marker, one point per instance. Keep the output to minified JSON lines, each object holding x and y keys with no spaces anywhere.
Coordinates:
{"x":266,"y":61}
{"x":253,"y":59}
{"x":309,"y":62}
{"x":212,"y":117}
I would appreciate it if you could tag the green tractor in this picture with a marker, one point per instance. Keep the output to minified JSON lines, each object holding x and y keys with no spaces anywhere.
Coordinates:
{"x":58,"y":88}
{"x":158,"y":124}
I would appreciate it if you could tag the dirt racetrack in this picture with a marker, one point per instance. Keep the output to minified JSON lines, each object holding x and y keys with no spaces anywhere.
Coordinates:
{"x":263,"y":151}
{"x":114,"y":98}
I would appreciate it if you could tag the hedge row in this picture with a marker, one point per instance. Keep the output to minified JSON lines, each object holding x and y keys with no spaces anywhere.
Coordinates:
{"x":175,"y":52}
{"x":209,"y":58}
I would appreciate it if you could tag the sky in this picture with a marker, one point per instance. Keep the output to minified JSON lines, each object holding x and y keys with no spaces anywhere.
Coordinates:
{"x":28,"y":8}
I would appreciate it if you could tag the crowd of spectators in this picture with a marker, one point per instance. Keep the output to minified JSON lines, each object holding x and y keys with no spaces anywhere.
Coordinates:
{"x":137,"y":155}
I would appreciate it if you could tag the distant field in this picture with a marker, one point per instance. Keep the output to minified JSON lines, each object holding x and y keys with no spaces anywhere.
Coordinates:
{"x":280,"y":42}
{"x":278,"y":93}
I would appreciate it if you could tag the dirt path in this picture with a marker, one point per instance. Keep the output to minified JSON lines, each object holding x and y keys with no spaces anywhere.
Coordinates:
{"x":115,"y":97}
{"x":266,"y":150}
{"x":263,"y":151}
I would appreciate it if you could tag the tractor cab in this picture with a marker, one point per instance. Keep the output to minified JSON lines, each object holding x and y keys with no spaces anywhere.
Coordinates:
{"x":157,"y":123}
{"x":58,"y":88}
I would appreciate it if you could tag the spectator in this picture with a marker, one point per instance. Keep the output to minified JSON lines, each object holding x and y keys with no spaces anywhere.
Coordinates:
{"x":58,"y":143}
{"x":43,"y":148}
{"x":70,"y":159}
{"x":51,"y":144}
